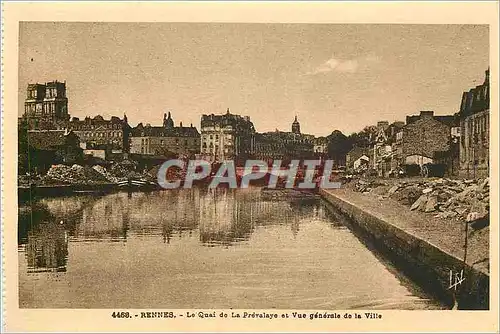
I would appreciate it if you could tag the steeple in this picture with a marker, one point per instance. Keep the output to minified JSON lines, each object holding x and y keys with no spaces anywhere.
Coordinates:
{"x":168,"y":122}
{"x":296,"y":126}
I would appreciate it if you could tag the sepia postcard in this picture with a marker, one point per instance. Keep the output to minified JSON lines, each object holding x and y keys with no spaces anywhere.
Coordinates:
{"x":250,"y":167}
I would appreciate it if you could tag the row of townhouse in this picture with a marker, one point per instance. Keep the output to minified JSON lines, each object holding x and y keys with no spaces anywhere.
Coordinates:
{"x":460,"y":141}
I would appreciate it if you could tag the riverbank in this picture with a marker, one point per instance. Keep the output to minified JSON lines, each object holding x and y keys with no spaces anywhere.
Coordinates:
{"x":425,"y":247}
{"x":25,"y":194}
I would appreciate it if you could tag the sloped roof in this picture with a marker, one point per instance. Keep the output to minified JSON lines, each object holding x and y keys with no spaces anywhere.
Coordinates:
{"x":358,"y":152}
{"x":49,"y":139}
{"x":160,"y":131}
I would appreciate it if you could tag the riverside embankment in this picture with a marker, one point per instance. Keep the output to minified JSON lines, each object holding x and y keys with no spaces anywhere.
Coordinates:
{"x":432,"y":251}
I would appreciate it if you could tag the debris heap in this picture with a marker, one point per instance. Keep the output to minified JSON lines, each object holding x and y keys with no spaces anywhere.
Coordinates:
{"x":366,"y":186}
{"x":76,"y":174}
{"x":460,"y":199}
{"x":124,"y":169}
{"x":104,"y":172}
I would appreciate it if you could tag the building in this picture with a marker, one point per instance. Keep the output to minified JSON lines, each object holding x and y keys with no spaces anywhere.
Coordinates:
{"x":48,"y":147}
{"x":320,"y":146}
{"x":46,"y":106}
{"x":358,"y":159}
{"x":281,"y":145}
{"x":474,"y":118}
{"x":423,"y":137}
{"x":382,"y":156}
{"x":166,"y":140}
{"x":98,"y":133}
{"x":226,"y":136}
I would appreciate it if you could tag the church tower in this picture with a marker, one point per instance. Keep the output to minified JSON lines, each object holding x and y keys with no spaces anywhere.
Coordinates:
{"x":296,"y":126}
{"x":168,"y":122}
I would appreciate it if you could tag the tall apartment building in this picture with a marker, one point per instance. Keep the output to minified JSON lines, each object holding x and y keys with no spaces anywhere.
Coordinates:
{"x":474,"y":118}
{"x":226,"y":136}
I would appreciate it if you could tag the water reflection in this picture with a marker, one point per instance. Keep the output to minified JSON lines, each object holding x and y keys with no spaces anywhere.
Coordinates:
{"x":198,"y":248}
{"x":47,"y":248}
{"x":222,"y":217}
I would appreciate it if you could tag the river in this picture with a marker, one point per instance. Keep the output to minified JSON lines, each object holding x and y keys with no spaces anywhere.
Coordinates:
{"x":200,"y":248}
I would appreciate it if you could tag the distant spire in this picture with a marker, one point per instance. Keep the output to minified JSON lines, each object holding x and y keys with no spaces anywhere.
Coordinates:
{"x":181,"y":124}
{"x":168,"y":122}
{"x":191,"y":124}
{"x":228,"y":111}
{"x":296,"y":126}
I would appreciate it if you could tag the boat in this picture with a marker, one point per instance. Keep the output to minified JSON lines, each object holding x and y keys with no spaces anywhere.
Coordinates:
{"x":136,"y":184}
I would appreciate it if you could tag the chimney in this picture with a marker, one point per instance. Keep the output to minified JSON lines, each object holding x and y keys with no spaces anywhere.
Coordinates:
{"x":426,"y":114}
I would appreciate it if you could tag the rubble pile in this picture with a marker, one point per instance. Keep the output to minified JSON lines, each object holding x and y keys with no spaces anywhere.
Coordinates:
{"x":26,"y":180}
{"x":460,"y":199}
{"x":365,"y":186}
{"x":76,"y":174}
{"x":123,"y":169}
{"x":104,"y":172}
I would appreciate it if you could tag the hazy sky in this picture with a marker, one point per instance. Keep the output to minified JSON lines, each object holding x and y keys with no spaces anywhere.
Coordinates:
{"x":331,"y":76}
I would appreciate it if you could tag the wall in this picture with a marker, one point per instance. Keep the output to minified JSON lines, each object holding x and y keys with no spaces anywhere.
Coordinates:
{"x":96,"y":153}
{"x":163,"y":145}
{"x":424,"y":137}
{"x":474,"y":145}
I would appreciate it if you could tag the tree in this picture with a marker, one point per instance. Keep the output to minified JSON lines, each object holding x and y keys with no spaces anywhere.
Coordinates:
{"x":364,"y":137}
{"x":338,"y":147}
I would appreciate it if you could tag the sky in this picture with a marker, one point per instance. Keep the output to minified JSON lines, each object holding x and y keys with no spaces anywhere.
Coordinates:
{"x":331,"y":76}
